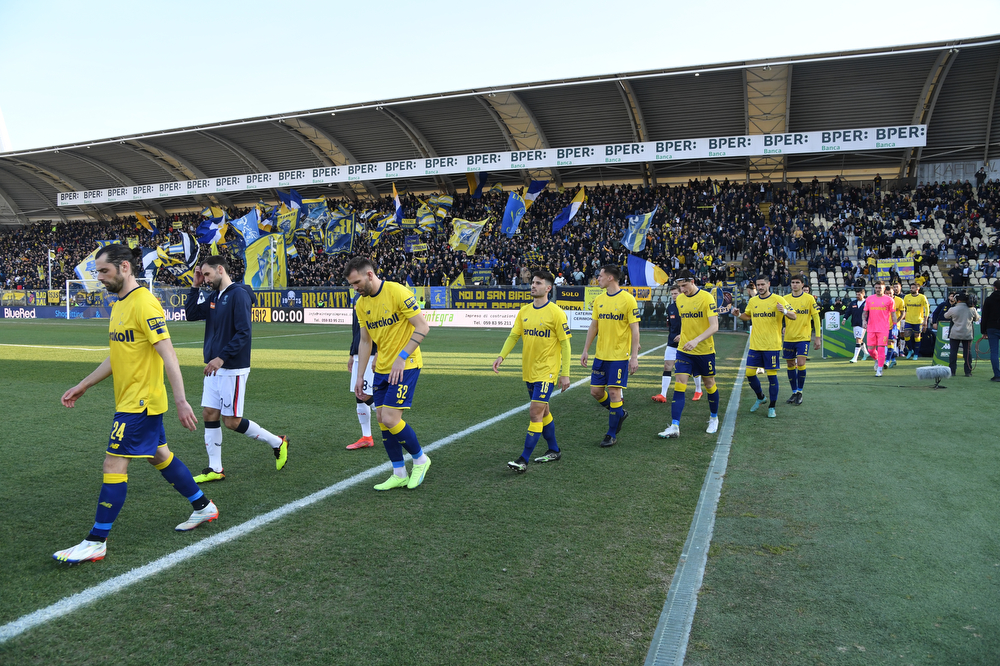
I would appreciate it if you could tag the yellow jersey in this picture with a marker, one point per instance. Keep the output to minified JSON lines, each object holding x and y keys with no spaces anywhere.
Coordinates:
{"x":137,"y":323}
{"x":543,"y":330}
{"x":766,"y":321}
{"x":806,"y":317}
{"x":898,"y":302}
{"x":614,"y":316}
{"x":386,"y":317}
{"x":694,"y":312}
{"x":917,"y":308}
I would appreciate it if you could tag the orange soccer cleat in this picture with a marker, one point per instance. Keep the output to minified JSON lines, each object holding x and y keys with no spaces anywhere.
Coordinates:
{"x":362,"y":443}
{"x":659,"y":397}
{"x":696,"y":396}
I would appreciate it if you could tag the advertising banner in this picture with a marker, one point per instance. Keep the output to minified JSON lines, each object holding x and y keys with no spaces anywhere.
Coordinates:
{"x":494,"y":298}
{"x":671,"y":149}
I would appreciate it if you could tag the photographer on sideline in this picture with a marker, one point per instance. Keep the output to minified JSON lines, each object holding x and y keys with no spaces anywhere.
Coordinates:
{"x":962,"y":317}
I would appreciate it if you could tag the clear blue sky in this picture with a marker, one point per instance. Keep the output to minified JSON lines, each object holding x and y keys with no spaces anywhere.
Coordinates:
{"x":75,"y":71}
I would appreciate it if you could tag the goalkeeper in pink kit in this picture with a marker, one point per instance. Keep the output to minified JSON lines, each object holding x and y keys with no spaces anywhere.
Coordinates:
{"x":878,"y":318}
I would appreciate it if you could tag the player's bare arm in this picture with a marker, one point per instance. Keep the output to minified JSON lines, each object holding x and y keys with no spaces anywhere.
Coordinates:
{"x":420,"y":331}
{"x":172,"y":368}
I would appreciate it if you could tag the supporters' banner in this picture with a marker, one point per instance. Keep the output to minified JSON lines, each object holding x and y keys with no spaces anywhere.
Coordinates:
{"x":635,"y":235}
{"x":495,"y":298}
{"x":589,"y":295}
{"x":482,"y":270}
{"x":757,"y":145}
{"x":409,"y":242}
{"x":571,"y":298}
{"x":419,"y":248}
{"x":54,"y":296}
{"x":265,"y":263}
{"x":465,"y":235}
{"x":903,"y":267}
{"x":439,"y":297}
{"x":338,"y":236}
{"x":512,"y":214}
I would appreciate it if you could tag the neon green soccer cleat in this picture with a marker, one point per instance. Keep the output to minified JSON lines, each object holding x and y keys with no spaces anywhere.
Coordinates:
{"x":393,"y":482}
{"x":209,"y":474}
{"x":281,"y":453}
{"x":417,"y":474}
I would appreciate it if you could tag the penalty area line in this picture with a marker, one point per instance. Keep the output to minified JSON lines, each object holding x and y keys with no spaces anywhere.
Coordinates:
{"x":90,"y":595}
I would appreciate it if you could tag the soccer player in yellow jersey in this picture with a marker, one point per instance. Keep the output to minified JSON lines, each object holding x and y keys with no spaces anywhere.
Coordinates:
{"x":140,"y":352}
{"x":916,"y":320}
{"x":390,"y":317}
{"x":696,"y":356}
{"x":545,"y":356}
{"x":615,"y":323}
{"x":766,"y":311}
{"x":797,"y":335}
{"x":893,"y":344}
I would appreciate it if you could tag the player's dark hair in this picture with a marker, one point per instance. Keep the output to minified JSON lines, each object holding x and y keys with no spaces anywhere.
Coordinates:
{"x":797,"y":277}
{"x":361,"y":265}
{"x":613,"y":271}
{"x":765,"y":278}
{"x":215,"y":261}
{"x":880,"y":282}
{"x":545,"y":275}
{"x":116,"y":253}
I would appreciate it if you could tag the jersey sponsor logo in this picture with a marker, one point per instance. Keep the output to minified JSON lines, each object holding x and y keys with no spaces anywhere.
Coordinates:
{"x":410,"y":303}
{"x":157,"y":324}
{"x":384,"y":321}
{"x":538,"y":332}
{"x":122,"y":336}
{"x":692,"y":315}
{"x":611,"y":315}
{"x":772,"y":314}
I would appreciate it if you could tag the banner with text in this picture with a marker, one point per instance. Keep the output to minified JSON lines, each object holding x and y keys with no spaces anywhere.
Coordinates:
{"x":756,"y":145}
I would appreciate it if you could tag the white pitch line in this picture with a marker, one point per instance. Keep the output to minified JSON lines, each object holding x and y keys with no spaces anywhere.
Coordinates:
{"x":670,"y":639}
{"x":90,"y":595}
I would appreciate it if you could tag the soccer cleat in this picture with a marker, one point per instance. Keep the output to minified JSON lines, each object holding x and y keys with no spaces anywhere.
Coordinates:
{"x":878,"y":372}
{"x":393,"y":482}
{"x":673,"y":431}
{"x":550,"y":456}
{"x":791,"y":400}
{"x":621,"y":422}
{"x":713,"y":425}
{"x":209,"y":474}
{"x":756,"y":404}
{"x":362,"y":443}
{"x":520,"y":465}
{"x":206,"y":515}
{"x":417,"y":474}
{"x":866,"y":357}
{"x":853,"y":360}
{"x":85,"y":551}
{"x":659,"y":397}
{"x":697,"y":395}
{"x":798,"y":398}
{"x":608,"y":442}
{"x":771,"y":413}
{"x":281,"y":453}
{"x":909,"y":356}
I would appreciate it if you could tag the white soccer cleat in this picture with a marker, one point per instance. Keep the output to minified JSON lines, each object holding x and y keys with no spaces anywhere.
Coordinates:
{"x":206,"y":515}
{"x":673,"y":431}
{"x":85,"y":551}
{"x":713,"y":425}
{"x":878,"y":372}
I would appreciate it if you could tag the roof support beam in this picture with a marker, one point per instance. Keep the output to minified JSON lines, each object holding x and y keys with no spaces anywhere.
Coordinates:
{"x":41,"y":195}
{"x":63,"y":183}
{"x":178,"y":167}
{"x":9,"y":200}
{"x":639,"y":133}
{"x":925,"y":106}
{"x":523,"y":128}
{"x":332,"y":150}
{"x":989,"y":114}
{"x":766,"y":96}
{"x":419,"y":141}
{"x":242,"y":153}
{"x":119,"y":176}
{"x":505,"y":131}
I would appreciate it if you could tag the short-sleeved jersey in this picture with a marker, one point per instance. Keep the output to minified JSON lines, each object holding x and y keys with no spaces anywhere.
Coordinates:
{"x":614,"y":316}
{"x":386,"y":316}
{"x":543,"y":330}
{"x":898,"y":306}
{"x":137,"y":323}
{"x":806,"y":309}
{"x":695,"y":311}
{"x":766,"y":321}
{"x":879,"y":309}
{"x":917,"y":308}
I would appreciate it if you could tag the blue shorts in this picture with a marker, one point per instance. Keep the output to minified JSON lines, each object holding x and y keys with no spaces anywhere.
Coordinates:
{"x":792,"y":349}
{"x":762,"y":359}
{"x":609,"y":373}
{"x":911,"y":329}
{"x":539,"y":391}
{"x":136,"y":435}
{"x":696,"y":365}
{"x":396,"y":396}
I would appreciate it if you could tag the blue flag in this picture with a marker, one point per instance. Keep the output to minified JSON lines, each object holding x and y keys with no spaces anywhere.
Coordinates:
{"x":638,"y":227}
{"x":476,"y":183}
{"x":569,"y":212}
{"x":512,"y":214}
{"x":247,"y":227}
{"x":338,"y":237}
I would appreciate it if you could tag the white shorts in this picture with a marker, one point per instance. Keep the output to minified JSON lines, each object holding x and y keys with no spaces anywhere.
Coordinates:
{"x":670,"y":353}
{"x":227,"y":392}
{"x":368,"y":385}
{"x":859,"y":333}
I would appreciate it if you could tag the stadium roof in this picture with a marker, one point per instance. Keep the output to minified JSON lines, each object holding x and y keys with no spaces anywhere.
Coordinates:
{"x":949,"y":86}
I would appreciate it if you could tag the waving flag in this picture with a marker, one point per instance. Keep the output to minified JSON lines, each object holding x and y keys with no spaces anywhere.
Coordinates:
{"x":86,"y":269}
{"x":146,"y":224}
{"x":382,"y":221}
{"x":465,"y":235}
{"x":212,"y":230}
{"x":638,"y":227}
{"x":642,"y":273}
{"x":398,"y":215}
{"x":534,"y":189}
{"x":265,"y":263}
{"x":338,"y":237}
{"x":476,"y":183}
{"x":512,"y":214}
{"x":247,"y":227}
{"x":569,"y":212}
{"x":292,"y":200}
{"x":441,"y":205}
{"x":497,"y":187}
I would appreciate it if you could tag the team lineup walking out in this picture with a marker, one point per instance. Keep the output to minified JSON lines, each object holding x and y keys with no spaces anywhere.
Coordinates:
{"x":767,"y":312}
{"x":797,"y":336}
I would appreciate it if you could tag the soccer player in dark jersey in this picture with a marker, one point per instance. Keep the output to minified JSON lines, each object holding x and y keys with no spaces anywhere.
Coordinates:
{"x":140,"y":353}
